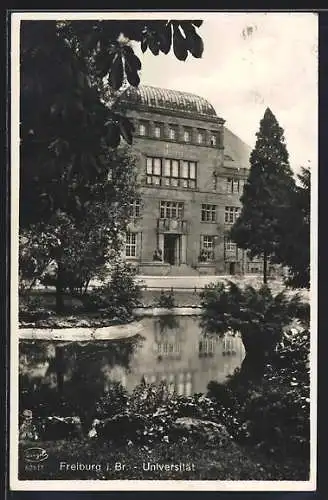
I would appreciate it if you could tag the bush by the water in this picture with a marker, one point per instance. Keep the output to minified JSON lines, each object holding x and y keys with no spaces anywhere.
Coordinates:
{"x":166,"y":299}
{"x":274,"y":414}
{"x":117,"y":298}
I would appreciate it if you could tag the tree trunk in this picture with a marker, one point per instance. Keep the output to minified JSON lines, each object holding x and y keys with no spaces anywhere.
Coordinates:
{"x":60,"y":368}
{"x":253,"y":365}
{"x":59,"y":291}
{"x":265,"y":268}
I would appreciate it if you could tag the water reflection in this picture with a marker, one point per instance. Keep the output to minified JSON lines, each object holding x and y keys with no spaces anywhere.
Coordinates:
{"x":174,"y":349}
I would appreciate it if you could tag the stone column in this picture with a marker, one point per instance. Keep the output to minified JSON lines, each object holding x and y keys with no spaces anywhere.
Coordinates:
{"x":166,"y":130}
{"x":161,"y":244}
{"x":151,"y":128}
{"x":180,"y":133}
{"x":194,"y":134}
{"x":183,"y":252}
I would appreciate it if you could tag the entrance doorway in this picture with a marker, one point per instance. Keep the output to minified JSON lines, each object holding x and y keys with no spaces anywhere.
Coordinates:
{"x":232,"y":268}
{"x":171,"y":242}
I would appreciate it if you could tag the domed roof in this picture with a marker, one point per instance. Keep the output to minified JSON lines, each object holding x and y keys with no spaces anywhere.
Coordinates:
{"x":167,"y":99}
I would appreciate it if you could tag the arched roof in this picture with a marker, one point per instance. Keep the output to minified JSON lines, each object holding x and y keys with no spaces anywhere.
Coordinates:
{"x":167,"y":99}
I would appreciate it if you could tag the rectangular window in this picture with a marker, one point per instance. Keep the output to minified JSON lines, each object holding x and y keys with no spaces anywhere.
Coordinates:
{"x":172,"y":133}
{"x":171,"y":210}
{"x":174,"y":173}
{"x":213,"y":140}
{"x":229,"y":245}
{"x":187,"y":136}
{"x":142,"y":129}
{"x":200,"y":137}
{"x":131,"y":245}
{"x":231,"y":214}
{"x":207,"y":247}
{"x":208,"y":213}
{"x":234,"y":185}
{"x":158,"y":131}
{"x":135,"y":209}
{"x":153,"y":170}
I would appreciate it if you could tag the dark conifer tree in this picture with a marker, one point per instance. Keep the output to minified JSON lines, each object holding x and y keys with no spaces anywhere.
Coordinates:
{"x":267,"y":194}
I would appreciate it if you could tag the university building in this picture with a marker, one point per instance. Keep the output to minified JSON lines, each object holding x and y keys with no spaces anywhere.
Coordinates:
{"x":191,"y":172}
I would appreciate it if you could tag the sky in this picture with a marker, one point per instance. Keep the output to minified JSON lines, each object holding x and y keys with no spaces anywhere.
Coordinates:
{"x":252,"y":61}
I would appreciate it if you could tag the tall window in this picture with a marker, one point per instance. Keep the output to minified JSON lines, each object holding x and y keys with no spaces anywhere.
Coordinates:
{"x":187,"y":136}
{"x":231,"y":214}
{"x":172,"y":133}
{"x":207,"y":247}
{"x":157,"y":131}
{"x":200,"y":137}
{"x":169,"y":172}
{"x":234,"y":185}
{"x":131,"y":245}
{"x":208,"y":213}
{"x":142,"y":129}
{"x":171,"y":210}
{"x":213,"y":140}
{"x":154,"y":170}
{"x":229,"y":344}
{"x":187,"y":174}
{"x":135,"y":209}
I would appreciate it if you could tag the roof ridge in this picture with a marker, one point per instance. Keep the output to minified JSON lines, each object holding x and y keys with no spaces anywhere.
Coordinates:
{"x":172,"y":99}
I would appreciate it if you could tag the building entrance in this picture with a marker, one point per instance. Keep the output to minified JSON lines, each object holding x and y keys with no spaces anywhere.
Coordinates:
{"x":232,"y":268}
{"x":171,"y":249}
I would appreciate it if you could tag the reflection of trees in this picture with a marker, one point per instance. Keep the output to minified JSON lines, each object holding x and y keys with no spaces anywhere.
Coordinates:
{"x":79,"y":362}
{"x":168,"y":322}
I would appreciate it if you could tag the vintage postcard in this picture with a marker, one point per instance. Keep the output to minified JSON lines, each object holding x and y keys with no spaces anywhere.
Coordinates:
{"x":164,"y":250}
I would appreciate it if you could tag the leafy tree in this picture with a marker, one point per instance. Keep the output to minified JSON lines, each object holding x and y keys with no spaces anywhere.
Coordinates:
{"x":257,"y":315}
{"x":294,"y":249}
{"x":72,"y":76}
{"x":267,"y":194}
{"x":81,"y":232}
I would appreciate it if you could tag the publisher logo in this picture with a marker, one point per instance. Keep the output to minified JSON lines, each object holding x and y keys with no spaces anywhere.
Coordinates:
{"x":35,"y":455}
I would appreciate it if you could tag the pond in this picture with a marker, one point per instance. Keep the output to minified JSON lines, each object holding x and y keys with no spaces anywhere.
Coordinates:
{"x":171,"y":348}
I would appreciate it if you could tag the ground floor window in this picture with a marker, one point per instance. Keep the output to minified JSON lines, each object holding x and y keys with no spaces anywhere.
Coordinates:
{"x":131,"y":245}
{"x":231,"y":214}
{"x":207,"y":248}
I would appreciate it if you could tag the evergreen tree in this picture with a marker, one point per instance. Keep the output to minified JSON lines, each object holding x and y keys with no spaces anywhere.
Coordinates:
{"x":294,"y":249}
{"x":267,"y":194}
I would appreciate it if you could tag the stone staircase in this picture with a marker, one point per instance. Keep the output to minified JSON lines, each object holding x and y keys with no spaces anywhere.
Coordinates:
{"x":182,"y":270}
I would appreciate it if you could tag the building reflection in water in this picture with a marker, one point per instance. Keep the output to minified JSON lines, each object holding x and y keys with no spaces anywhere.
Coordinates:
{"x":172,"y":349}
{"x":178,"y":352}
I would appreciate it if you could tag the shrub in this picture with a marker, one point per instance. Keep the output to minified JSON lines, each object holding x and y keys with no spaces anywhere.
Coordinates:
{"x":272,"y":415}
{"x":166,"y":299}
{"x":117,"y":298}
{"x":113,"y":402}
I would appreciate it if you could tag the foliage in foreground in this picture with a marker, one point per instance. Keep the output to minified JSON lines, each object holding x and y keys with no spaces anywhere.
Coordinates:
{"x":271,"y":416}
{"x":274,"y":415}
{"x":232,"y":463}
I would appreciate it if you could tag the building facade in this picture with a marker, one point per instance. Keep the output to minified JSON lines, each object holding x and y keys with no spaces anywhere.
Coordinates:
{"x":191,"y":173}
